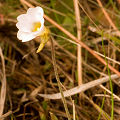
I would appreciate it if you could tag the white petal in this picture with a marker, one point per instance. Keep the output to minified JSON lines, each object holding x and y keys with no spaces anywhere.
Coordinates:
{"x":42,"y":21}
{"x":36,"y":13}
{"x":24,"y":26}
{"x":36,"y":10}
{"x":24,"y":36}
{"x":24,"y":17}
{"x":24,"y":23}
{"x":21,"y":17}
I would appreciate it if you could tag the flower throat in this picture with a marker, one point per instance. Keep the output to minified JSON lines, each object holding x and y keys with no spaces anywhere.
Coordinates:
{"x":36,"y":26}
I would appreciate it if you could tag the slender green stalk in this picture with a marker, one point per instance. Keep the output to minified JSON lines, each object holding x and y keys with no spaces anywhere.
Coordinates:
{"x":103,"y":101}
{"x":111,"y":87}
{"x":58,"y":79}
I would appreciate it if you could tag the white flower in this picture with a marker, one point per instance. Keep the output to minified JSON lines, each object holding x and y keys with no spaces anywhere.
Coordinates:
{"x":31,"y":24}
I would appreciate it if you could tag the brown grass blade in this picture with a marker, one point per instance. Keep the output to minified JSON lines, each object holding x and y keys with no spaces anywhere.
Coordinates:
{"x":3,"y":82}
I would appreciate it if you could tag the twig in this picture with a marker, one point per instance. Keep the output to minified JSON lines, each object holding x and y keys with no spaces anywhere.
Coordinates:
{"x":79,"y":36}
{"x":115,"y":96}
{"x":58,"y":80}
{"x":5,"y":115}
{"x":2,"y":20}
{"x":73,"y":110}
{"x":107,"y":16}
{"x":80,"y":88}
{"x":74,"y":38}
{"x":103,"y":113}
{"x":118,"y":1}
{"x":3,"y":87}
{"x":110,"y":59}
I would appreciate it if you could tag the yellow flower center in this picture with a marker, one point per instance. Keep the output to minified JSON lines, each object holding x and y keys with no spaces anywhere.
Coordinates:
{"x":36,"y":27}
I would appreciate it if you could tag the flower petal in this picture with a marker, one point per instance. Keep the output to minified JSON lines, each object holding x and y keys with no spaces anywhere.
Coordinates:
{"x":21,"y":17}
{"x":24,"y":23}
{"x":24,"y":36}
{"x":24,"y":26}
{"x":36,"y":10}
{"x":36,"y":13}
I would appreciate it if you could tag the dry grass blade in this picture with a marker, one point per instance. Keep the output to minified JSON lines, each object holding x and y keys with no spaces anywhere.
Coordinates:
{"x":48,"y":8}
{"x":79,"y":36}
{"x":3,"y":87}
{"x":73,"y":110}
{"x":66,"y":6}
{"x":107,"y":16}
{"x":80,"y":88}
{"x":5,"y":115}
{"x":115,"y":96}
{"x":118,"y":1}
{"x":117,"y":62}
{"x":103,"y":113}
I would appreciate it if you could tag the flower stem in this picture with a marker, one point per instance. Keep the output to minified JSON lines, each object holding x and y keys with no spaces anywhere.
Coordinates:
{"x":58,"y":79}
